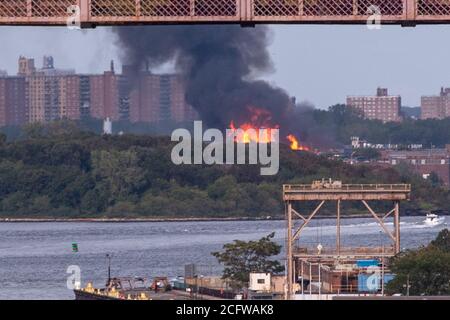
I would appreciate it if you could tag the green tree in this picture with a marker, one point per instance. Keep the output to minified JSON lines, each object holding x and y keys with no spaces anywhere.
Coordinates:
{"x":442,"y":241}
{"x":426,"y":270}
{"x":2,"y":139}
{"x":241,"y":258}
{"x":435,"y":180}
{"x":55,"y":169}
{"x":120,"y":170}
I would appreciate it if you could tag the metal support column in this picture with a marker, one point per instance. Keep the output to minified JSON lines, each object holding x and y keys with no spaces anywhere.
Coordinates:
{"x":29,"y":8}
{"x":397,"y":226}
{"x":409,"y":13}
{"x":338,"y":227}
{"x":303,"y":276}
{"x":289,"y":259}
{"x":138,"y":9}
{"x":84,"y":11}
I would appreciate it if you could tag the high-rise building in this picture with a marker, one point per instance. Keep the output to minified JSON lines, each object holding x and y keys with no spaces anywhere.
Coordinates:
{"x":124,"y":88}
{"x":104,"y":96}
{"x":44,"y":98}
{"x":36,"y":98}
{"x":50,"y":93}
{"x":53,"y":97}
{"x":12,"y":101}
{"x":436,"y":107}
{"x":380,"y":107}
{"x":180,"y":110}
{"x":69,"y":97}
{"x":145,"y":98}
{"x":85,"y":96}
{"x":26,"y":66}
{"x":47,"y":94}
{"x":156,"y":98}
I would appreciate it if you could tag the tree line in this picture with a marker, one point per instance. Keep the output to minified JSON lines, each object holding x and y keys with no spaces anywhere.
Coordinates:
{"x":58,"y":170}
{"x":341,"y":123}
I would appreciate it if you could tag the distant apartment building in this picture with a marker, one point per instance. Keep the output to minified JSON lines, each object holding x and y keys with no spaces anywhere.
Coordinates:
{"x":156,"y":98}
{"x":424,"y":162}
{"x":180,"y":110}
{"x":52,"y":98}
{"x":48,"y":93}
{"x":37,"y":99}
{"x":69,"y":97}
{"x":436,"y":107}
{"x":85,"y":96}
{"x":144,"y":98}
{"x":379,"y":107}
{"x":13,"y":107}
{"x":104,"y":95}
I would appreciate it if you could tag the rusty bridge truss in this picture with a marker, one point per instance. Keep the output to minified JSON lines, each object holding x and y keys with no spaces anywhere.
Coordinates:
{"x":114,"y":12}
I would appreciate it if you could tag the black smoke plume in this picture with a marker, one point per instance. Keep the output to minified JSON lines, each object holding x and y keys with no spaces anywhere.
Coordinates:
{"x":219,"y":63}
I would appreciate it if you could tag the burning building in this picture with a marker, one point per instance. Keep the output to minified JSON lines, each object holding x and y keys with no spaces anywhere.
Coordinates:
{"x":219,"y":64}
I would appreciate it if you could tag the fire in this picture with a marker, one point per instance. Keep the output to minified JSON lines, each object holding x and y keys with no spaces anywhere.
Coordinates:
{"x":295,"y":145}
{"x":257,"y":129}
{"x":249,"y":133}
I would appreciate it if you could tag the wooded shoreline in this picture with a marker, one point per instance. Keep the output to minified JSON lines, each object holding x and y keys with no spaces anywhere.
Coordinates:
{"x":193,"y":219}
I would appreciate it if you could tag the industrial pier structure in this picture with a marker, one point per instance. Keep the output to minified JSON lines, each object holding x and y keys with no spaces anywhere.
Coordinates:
{"x":337,"y":269}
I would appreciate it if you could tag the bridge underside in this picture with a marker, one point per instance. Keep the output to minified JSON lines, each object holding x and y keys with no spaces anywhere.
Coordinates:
{"x":132,"y":12}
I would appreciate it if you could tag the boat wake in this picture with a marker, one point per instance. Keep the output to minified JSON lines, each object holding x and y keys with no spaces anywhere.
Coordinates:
{"x":367,"y":226}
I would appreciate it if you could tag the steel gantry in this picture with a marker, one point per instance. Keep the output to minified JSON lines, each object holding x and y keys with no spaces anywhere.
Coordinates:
{"x":334,"y":191}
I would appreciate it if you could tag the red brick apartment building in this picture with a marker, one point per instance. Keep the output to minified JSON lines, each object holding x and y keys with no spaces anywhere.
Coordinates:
{"x":13,"y":109}
{"x":46,"y":94}
{"x":104,"y":96}
{"x":379,"y":107}
{"x":424,"y":162}
{"x":159,"y":98}
{"x":69,"y":97}
{"x":436,"y":107}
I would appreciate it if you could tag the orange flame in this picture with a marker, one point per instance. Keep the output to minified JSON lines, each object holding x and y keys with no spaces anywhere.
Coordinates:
{"x":295,"y":145}
{"x":259,"y":129}
{"x":252,"y":130}
{"x":247,"y":133}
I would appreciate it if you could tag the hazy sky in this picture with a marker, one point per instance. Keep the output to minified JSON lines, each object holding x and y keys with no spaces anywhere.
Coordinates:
{"x":320,"y":64}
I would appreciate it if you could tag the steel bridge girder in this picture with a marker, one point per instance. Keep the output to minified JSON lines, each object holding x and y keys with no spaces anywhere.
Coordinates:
{"x":116,"y":12}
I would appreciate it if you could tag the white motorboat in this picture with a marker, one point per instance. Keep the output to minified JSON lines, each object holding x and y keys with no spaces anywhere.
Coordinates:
{"x":433,"y":219}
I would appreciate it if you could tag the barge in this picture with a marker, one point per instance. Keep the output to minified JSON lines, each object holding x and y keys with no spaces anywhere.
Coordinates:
{"x":131,"y":288}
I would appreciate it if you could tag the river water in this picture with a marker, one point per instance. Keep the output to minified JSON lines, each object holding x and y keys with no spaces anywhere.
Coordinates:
{"x":34,"y":257}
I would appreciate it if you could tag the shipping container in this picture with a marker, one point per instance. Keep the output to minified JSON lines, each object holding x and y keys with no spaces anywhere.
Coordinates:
{"x":367,"y":263}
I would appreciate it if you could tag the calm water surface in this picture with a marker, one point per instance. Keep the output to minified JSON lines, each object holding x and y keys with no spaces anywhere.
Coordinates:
{"x":34,"y":257}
